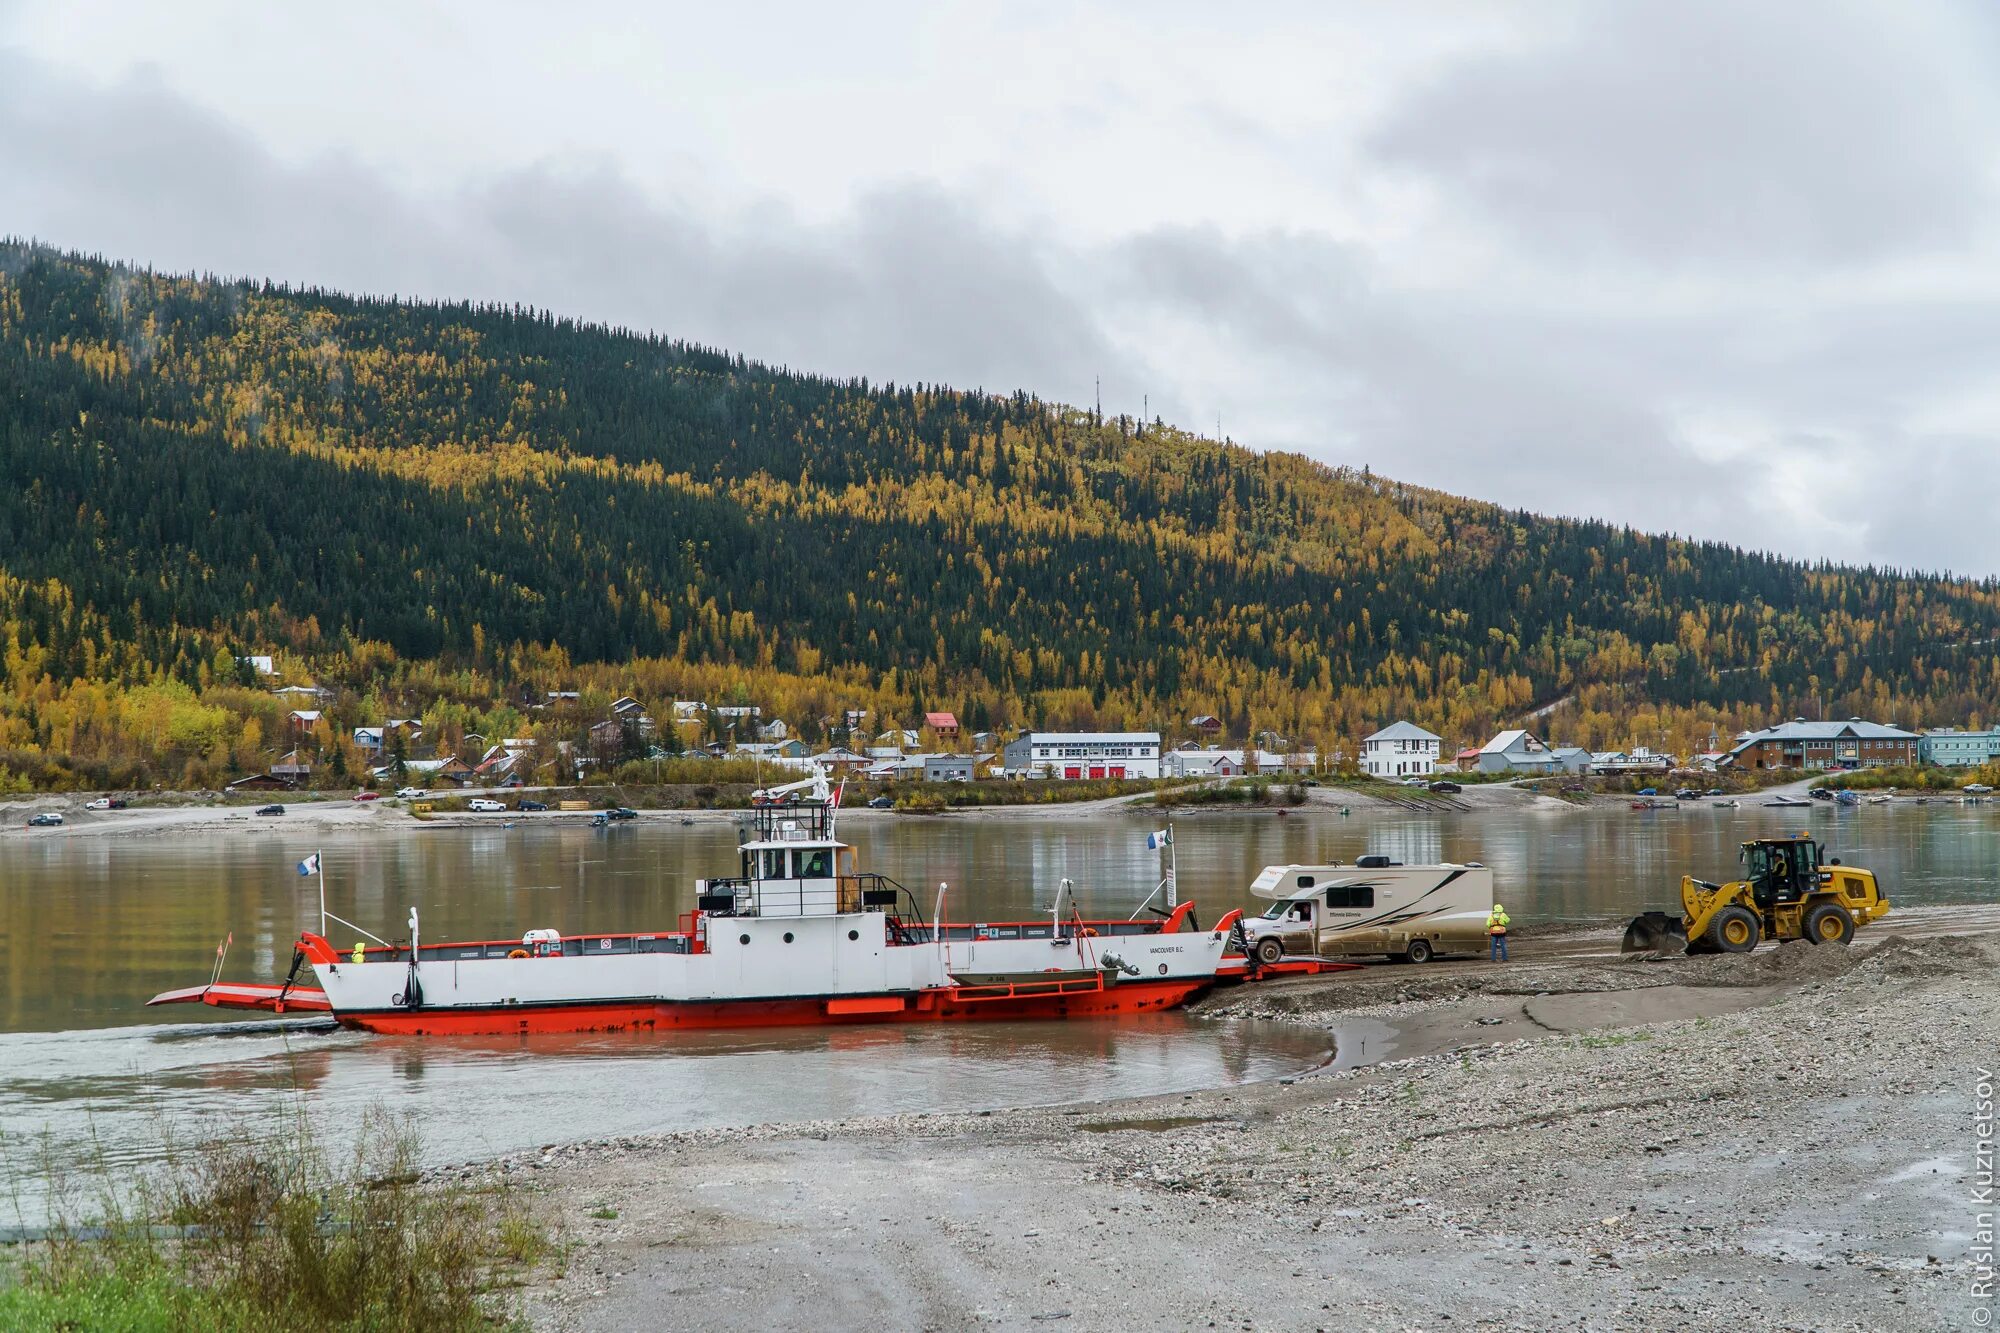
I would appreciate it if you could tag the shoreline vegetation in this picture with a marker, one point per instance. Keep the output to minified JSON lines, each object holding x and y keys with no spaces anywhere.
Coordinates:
{"x":261,"y":1228}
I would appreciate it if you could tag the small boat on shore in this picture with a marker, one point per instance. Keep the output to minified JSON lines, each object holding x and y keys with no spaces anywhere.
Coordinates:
{"x":1792,"y":802}
{"x":798,"y":936}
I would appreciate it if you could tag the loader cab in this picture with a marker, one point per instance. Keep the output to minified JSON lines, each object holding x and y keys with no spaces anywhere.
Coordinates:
{"x":1781,"y":870}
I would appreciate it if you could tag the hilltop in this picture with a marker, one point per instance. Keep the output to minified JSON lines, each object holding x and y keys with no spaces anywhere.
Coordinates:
{"x":456,"y":506}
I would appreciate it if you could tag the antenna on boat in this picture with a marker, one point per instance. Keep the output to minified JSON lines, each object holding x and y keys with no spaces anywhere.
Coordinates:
{"x":937,"y":927}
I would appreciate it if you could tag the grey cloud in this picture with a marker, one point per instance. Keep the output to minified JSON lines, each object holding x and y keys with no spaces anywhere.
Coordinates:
{"x":910,"y":285}
{"x":1306,"y":341}
{"x":1687,"y":133}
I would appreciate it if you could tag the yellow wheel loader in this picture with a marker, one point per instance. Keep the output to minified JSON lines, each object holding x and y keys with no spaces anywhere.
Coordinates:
{"x":1787,"y":893}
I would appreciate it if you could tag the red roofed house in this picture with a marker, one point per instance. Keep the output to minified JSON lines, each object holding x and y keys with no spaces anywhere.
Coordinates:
{"x":944,"y":724}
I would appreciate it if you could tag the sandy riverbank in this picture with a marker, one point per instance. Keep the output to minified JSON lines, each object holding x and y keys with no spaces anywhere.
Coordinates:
{"x":1783,"y":1140}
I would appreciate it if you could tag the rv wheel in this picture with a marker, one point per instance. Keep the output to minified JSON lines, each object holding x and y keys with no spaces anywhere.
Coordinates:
{"x":1418,"y":952}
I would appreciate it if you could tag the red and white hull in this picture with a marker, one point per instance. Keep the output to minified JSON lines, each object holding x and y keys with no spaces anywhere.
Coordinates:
{"x":728,"y":972}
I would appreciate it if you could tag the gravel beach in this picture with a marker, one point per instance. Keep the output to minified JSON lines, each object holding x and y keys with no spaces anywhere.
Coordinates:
{"x":1781,"y":1140}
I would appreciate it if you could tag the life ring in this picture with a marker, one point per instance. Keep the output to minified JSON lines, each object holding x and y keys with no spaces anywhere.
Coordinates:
{"x":518,"y":953}
{"x":1090,"y":931}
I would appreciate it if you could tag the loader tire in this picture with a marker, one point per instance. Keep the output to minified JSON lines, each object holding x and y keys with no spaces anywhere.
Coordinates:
{"x":1734,"y":930}
{"x":1829,"y":923}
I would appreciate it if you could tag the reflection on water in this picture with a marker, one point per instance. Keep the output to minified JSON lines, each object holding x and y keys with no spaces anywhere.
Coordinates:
{"x":116,"y":1092}
{"x":92,"y":926}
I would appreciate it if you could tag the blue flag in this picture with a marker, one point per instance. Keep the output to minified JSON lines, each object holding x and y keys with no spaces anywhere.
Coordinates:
{"x":310,"y":866}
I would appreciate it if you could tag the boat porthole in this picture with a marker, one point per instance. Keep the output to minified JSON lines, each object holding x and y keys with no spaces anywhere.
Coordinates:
{"x":853,"y":934}
{"x":1163,"y":969}
{"x":788,"y":937}
{"x":742,"y":939}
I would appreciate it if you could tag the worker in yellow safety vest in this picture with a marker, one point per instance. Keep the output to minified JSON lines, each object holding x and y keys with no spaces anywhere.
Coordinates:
{"x":359,"y":952}
{"x":1496,"y":930}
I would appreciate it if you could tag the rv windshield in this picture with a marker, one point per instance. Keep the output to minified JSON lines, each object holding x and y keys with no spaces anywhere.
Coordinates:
{"x":1296,"y":909}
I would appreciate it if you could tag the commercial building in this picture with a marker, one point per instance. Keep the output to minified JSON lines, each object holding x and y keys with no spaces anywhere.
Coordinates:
{"x":1400,"y":750}
{"x":1520,"y":751}
{"x":1823,"y":745}
{"x":1085,"y":755}
{"x":1952,"y":748}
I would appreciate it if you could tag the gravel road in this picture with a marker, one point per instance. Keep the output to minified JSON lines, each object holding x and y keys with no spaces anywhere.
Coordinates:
{"x":1784,"y":1140}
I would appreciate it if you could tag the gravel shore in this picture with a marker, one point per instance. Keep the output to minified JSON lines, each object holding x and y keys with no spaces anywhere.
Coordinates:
{"x":1784,"y":1140}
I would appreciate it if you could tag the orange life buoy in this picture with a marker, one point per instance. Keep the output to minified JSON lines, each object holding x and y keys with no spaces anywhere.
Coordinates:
{"x":517,"y":953}
{"x":1090,"y":931}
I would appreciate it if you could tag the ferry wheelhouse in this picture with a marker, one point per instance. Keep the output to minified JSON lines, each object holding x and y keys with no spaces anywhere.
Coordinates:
{"x":797,"y":936}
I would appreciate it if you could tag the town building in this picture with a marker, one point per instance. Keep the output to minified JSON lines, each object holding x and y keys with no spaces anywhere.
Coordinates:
{"x":1400,"y":750}
{"x":1637,"y":760}
{"x":293,"y":766}
{"x":840,"y":761}
{"x":950,"y":768}
{"x":1823,"y":745}
{"x":1521,"y":751}
{"x":1207,"y":724}
{"x":376,"y":739}
{"x":1214,"y":762}
{"x":1073,"y":755}
{"x":1949,"y":747}
{"x":944,"y":724}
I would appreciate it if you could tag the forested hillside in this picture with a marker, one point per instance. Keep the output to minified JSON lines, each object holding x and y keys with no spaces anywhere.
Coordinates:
{"x":447,"y":506}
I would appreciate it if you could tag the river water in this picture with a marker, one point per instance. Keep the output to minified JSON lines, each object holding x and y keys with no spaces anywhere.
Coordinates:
{"x":92,"y":926}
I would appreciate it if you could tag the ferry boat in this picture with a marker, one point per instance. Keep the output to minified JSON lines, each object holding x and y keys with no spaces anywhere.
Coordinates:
{"x":797,"y":936}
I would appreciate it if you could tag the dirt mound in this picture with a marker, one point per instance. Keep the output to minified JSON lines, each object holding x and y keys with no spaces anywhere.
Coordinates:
{"x":1794,"y":961}
{"x":1902,"y":959}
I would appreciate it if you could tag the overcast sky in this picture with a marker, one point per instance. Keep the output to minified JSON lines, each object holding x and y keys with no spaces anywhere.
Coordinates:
{"x":1723,"y":269}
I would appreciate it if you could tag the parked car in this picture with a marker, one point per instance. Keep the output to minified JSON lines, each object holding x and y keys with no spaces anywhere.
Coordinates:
{"x":270,"y":809}
{"x":368,"y":796}
{"x":1687,"y":794}
{"x":105,"y":803}
{"x":527,"y":804}
{"x":1821,"y":793}
{"x":1649,"y":791}
{"x":1416,"y":782}
{"x":881,"y":803}
{"x":621,"y":812}
{"x":1446,"y":788}
{"x":408,"y":793}
{"x":480,"y":805}
{"x":1715,"y":791}
{"x":46,"y":819}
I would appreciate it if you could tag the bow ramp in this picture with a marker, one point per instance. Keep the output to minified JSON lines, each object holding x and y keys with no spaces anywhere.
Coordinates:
{"x":249,"y":995}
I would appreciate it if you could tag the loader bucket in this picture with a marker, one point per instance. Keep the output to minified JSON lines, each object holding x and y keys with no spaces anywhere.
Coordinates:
{"x":1655,"y":932}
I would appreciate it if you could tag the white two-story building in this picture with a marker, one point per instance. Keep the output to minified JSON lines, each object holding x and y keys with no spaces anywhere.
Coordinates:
{"x":1400,"y":750}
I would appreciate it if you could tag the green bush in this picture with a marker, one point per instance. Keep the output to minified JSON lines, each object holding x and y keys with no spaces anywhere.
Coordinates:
{"x":253,"y":1232}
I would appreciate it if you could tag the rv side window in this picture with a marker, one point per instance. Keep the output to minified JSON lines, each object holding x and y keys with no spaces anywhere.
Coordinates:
{"x":1305,"y":881}
{"x":1351,"y":895}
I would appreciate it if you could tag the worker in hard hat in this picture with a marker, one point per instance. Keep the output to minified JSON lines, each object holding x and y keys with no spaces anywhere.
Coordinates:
{"x":1496,"y":930}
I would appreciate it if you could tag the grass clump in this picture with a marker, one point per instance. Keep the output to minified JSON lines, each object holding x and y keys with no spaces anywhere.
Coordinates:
{"x":250,"y":1233}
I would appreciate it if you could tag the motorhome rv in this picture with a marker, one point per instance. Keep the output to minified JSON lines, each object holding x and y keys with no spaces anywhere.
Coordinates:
{"x":1375,"y":906}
